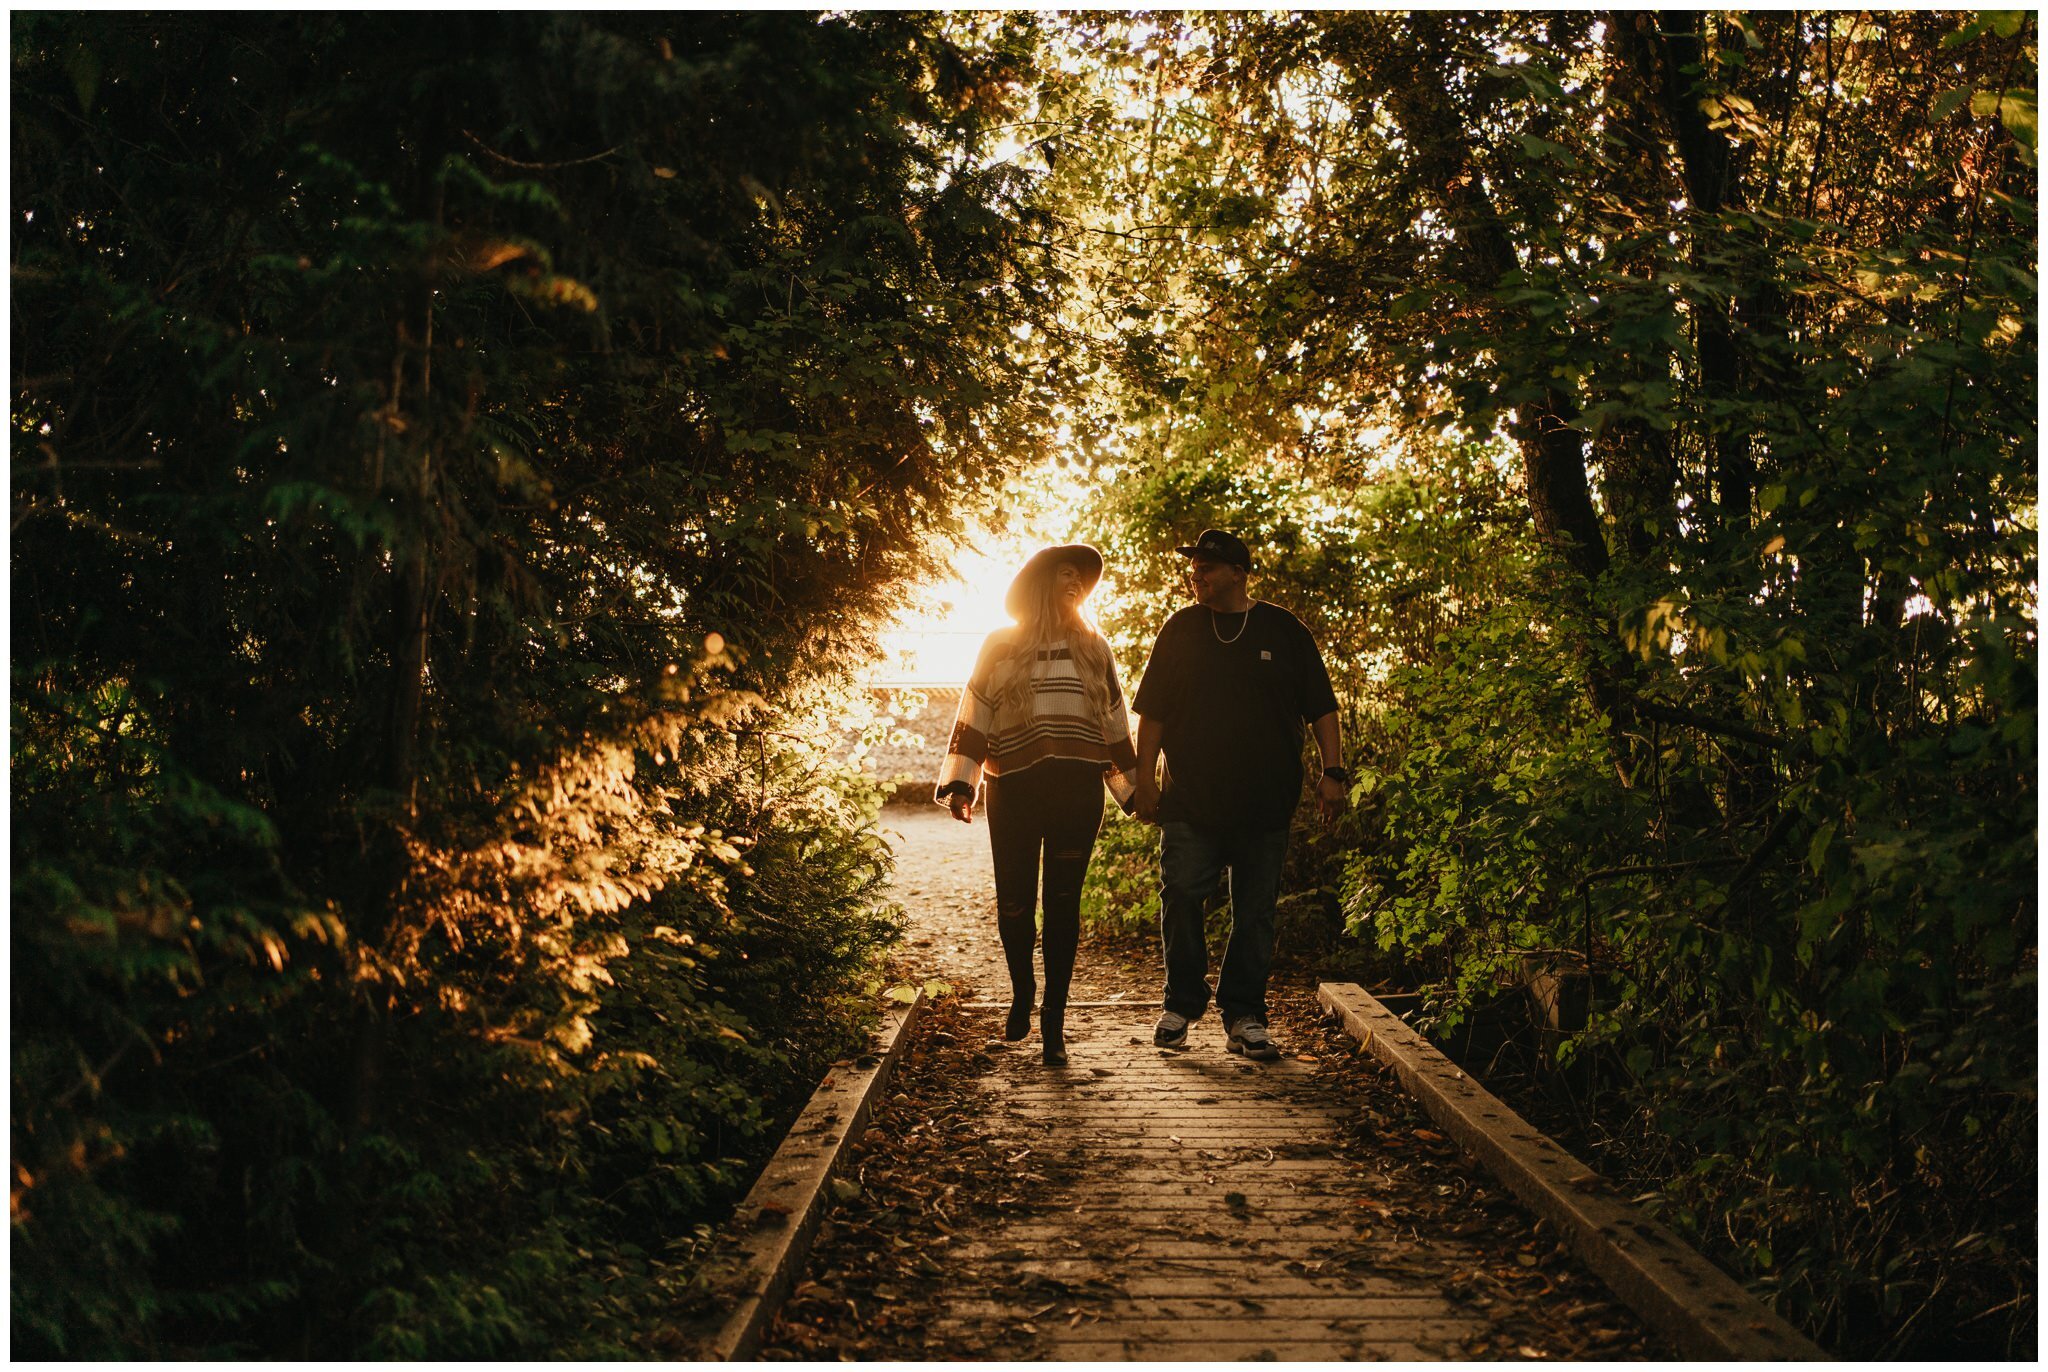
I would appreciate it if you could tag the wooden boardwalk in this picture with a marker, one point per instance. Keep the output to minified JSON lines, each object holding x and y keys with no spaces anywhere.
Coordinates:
{"x":1215,"y":1185}
{"x":1140,"y":1204}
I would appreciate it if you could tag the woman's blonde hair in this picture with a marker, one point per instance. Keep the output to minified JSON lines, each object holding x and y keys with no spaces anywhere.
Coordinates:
{"x":1040,"y":626}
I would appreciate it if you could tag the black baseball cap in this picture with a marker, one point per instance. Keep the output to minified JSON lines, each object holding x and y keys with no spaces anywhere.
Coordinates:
{"x":1221,"y":546}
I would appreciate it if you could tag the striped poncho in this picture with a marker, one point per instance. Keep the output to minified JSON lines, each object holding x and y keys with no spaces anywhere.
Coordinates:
{"x":1055,"y":721}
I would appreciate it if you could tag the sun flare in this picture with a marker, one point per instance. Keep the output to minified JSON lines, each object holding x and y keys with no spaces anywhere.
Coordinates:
{"x":933,"y":640}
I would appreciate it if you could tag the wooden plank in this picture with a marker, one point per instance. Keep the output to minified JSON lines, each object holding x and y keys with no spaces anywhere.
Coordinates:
{"x":1182,"y":1088}
{"x":1166,"y":1117}
{"x":1247,"y":1082}
{"x":1705,"y":1311}
{"x":1216,"y":1281}
{"x":1167,"y":1145}
{"x":1196,"y":1242}
{"x":1196,"y":1175}
{"x":1180,"y":1168}
{"x":1191,"y":1152}
{"x":1091,"y":1345}
{"x":1151,"y":1122}
{"x":1154,"y":1121}
{"x":765,"y":1242}
{"x":1250,"y":1110}
{"x":1215,"y":1253}
{"x":1166,"y":1138}
{"x":1003,"y":1006}
{"x":1318,"y":1305}
{"x":1250,"y":1327}
{"x":1208,"y":1201}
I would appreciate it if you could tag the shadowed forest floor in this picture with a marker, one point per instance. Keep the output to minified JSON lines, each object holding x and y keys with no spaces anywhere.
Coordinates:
{"x":1143,"y":1204}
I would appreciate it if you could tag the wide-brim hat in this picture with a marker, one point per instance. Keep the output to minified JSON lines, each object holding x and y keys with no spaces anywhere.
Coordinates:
{"x":1219,"y":545}
{"x":1084,"y":559}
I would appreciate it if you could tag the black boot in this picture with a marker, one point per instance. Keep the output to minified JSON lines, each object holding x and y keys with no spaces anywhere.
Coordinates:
{"x":1062,"y":941}
{"x":1019,"y":932}
{"x":1052,"y":1035}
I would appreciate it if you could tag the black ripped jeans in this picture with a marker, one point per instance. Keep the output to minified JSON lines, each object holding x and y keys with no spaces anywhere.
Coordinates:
{"x":1052,"y":811}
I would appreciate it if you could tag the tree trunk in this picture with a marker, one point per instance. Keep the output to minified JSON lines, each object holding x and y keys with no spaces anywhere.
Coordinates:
{"x":1553,"y":446}
{"x":1669,"y":52}
{"x":1560,"y":500}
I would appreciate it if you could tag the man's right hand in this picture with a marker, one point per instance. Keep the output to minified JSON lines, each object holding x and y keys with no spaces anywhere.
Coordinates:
{"x":962,"y":808}
{"x":1145,"y":805}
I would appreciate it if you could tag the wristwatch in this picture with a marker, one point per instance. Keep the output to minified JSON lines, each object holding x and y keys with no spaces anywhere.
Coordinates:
{"x":1340,"y":775}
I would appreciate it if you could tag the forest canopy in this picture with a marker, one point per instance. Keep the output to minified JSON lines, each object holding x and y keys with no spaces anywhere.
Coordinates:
{"x":1642,"y":410}
{"x":453,"y":453}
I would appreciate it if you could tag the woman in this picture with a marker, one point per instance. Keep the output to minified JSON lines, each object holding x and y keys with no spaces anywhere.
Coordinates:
{"x":1043,"y":717}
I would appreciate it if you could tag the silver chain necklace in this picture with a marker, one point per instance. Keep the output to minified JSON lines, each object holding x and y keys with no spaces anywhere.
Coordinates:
{"x":1240,"y":628}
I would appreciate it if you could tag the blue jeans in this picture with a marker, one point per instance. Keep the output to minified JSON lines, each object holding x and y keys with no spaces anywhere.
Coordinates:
{"x":1190,"y":860}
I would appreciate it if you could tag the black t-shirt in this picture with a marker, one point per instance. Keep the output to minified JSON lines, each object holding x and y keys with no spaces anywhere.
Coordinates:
{"x":1231,"y":714}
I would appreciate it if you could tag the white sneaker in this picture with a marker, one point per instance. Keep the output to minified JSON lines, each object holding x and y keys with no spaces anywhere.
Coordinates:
{"x":1250,"y":1038}
{"x":1171,"y":1031}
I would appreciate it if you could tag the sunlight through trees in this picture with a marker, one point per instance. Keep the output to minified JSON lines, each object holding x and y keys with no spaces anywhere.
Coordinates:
{"x":460,"y":460}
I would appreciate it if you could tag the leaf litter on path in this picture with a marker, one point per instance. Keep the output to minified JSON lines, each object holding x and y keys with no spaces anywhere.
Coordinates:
{"x":916,"y":1235}
{"x":897,"y":1252}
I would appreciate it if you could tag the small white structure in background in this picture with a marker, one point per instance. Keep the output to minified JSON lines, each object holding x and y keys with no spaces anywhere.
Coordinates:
{"x":916,"y":724}
{"x":929,"y":652}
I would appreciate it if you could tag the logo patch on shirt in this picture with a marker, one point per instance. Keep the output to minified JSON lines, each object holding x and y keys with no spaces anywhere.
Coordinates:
{"x":1265,"y":656}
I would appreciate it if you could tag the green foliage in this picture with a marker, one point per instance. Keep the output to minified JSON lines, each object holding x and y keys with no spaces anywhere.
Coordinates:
{"x":1486,"y":794}
{"x":1736,"y":731}
{"x":1121,"y":892}
{"x":446,"y":448}
{"x":420,"y":519}
{"x":1377,"y":572}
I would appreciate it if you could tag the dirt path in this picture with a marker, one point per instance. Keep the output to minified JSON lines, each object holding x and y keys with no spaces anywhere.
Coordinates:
{"x":1139,"y":1204}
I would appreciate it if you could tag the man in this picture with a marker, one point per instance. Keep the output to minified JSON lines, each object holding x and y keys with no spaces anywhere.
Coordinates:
{"x":1229,"y":683}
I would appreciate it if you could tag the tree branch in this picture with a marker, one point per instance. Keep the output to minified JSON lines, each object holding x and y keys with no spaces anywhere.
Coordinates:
{"x":1688,"y":719}
{"x":488,"y":151}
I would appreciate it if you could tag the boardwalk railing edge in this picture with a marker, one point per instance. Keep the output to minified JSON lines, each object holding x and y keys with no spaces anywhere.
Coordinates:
{"x":770,"y":1233}
{"x":1703,"y":1310}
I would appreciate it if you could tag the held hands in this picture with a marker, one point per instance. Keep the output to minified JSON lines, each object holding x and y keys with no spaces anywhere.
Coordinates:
{"x":1145,"y":805}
